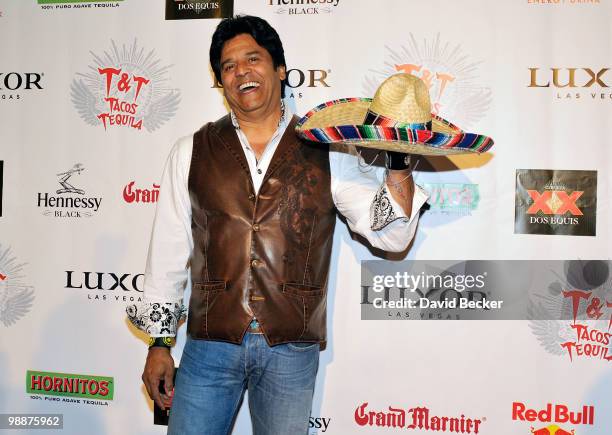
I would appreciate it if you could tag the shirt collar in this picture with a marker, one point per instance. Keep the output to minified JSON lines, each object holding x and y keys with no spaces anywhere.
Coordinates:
{"x":282,"y":122}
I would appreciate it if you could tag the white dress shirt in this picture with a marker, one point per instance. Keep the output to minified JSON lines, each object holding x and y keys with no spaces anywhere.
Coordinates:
{"x":358,"y":191}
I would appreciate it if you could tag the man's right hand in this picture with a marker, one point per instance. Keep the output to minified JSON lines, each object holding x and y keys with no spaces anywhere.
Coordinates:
{"x":159,"y":365}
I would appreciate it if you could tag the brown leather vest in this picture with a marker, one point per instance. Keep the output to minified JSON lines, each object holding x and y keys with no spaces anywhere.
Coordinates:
{"x":266,"y":255}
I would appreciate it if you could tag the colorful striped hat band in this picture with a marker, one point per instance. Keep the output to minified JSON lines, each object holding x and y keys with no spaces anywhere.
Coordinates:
{"x":398,"y":118}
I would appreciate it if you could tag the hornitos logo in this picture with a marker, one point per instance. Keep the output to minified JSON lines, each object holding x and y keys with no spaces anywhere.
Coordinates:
{"x":418,"y":418}
{"x":585,"y":296}
{"x":297,"y":79}
{"x":452,"y":198}
{"x":133,"y":194}
{"x":553,"y":414}
{"x":108,"y":286}
{"x":125,"y":88}
{"x":78,"y":4}
{"x":87,"y":389}
{"x":303,"y":7}
{"x":572,"y":83}
{"x":16,"y":297}
{"x":454,"y":85}
{"x":68,"y":201}
{"x":13,"y":84}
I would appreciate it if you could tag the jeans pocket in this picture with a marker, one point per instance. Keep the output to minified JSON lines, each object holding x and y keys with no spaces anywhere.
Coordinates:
{"x":303,"y":347}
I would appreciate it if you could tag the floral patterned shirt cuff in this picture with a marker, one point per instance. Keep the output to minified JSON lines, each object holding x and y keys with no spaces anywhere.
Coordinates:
{"x":158,"y":319}
{"x":381,"y":210}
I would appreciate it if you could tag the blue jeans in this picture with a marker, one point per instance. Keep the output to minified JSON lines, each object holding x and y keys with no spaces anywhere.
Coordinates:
{"x":213,"y":376}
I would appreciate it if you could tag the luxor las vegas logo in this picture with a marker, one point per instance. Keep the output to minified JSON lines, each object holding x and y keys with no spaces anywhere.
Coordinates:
{"x":16,"y":297}
{"x":555,"y":202}
{"x":126,"y":87}
{"x":68,"y":201}
{"x":450,"y":74}
{"x":572,"y":83}
{"x":583,"y":294}
{"x":303,"y":7}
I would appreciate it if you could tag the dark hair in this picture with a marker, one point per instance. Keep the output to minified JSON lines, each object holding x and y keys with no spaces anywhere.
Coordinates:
{"x":262,"y":32}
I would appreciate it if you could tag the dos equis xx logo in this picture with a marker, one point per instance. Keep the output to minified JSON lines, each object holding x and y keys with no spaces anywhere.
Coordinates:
{"x":555,"y":202}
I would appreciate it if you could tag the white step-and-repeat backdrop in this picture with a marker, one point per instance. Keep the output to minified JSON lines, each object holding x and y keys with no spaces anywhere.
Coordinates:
{"x":80,"y":180}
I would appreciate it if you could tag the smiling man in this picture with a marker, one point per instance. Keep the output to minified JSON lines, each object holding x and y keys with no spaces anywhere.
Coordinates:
{"x":248,"y":210}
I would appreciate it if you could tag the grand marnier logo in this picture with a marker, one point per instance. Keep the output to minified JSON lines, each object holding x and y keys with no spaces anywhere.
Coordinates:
{"x":455,"y":88}
{"x":418,"y":418}
{"x":127,"y":88}
{"x":16,"y":297}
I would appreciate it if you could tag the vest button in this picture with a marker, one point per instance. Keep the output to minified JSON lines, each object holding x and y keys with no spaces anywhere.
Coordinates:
{"x":255,"y":263}
{"x":255,"y":227}
{"x":252,"y":196}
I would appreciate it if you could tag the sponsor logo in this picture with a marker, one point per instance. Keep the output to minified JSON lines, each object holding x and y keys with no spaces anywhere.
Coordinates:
{"x":318,"y":424}
{"x":585,"y":293}
{"x":418,"y":418}
{"x":126,"y":88}
{"x":555,"y":202}
{"x":133,"y":194}
{"x":197,"y":9}
{"x":452,"y":198}
{"x":1,"y":184}
{"x":87,"y":389}
{"x":303,"y":7}
{"x":13,"y":84}
{"x":298,"y":79}
{"x":78,"y":4}
{"x":563,"y":2}
{"x":16,"y":297}
{"x":68,"y":201}
{"x":454,"y":84}
{"x":572,"y":83}
{"x":108,"y":286}
{"x":553,"y":413}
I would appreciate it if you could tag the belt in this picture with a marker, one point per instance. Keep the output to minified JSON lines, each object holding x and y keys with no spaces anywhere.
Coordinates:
{"x":254,"y":327}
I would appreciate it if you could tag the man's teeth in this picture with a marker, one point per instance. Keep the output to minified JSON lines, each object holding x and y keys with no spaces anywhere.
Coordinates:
{"x":248,"y":85}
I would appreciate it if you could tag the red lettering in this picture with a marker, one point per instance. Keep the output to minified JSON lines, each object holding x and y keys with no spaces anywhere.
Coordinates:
{"x":361,"y":417}
{"x":576,"y":295}
{"x":128,"y":194}
{"x":109,"y":72}
{"x":57,"y":384}
{"x":518,"y":409}
{"x":35,"y":382}
{"x":93,"y":387}
{"x":540,"y":202}
{"x":103,"y":388}
{"x":140,"y":81}
{"x":561,"y":414}
{"x":568,"y":203}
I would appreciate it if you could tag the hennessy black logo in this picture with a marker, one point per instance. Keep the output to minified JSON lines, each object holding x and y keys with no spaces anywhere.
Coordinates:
{"x":71,"y":201}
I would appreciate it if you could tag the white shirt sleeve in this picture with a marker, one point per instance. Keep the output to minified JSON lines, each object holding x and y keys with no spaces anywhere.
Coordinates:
{"x":361,"y":196}
{"x":169,"y":249}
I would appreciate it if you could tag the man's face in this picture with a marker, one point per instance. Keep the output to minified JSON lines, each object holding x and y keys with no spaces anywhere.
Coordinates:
{"x":250,"y":82}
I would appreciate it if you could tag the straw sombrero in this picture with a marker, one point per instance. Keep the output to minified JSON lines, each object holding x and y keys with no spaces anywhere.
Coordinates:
{"x":398,"y":118}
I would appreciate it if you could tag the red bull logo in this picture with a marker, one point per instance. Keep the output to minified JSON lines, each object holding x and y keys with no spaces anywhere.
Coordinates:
{"x":554,"y":414}
{"x":553,"y":429}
